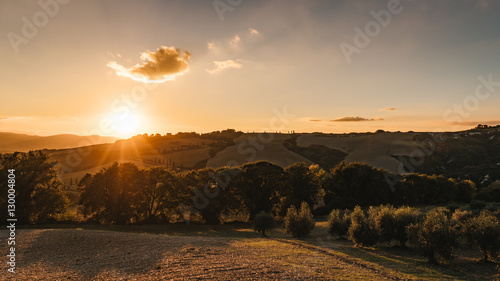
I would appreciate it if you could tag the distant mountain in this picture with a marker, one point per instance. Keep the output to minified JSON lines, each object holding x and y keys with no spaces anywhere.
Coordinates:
{"x":10,"y":142}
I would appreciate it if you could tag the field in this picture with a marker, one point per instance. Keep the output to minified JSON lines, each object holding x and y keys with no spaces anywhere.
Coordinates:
{"x":225,"y":252}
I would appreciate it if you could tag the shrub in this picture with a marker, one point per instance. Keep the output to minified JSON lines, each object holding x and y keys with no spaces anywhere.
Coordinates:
{"x":361,"y":231}
{"x":384,"y":222}
{"x":339,"y":222}
{"x":263,"y":222}
{"x":486,"y":234}
{"x":403,"y":217}
{"x":435,"y":235}
{"x":299,"y":224}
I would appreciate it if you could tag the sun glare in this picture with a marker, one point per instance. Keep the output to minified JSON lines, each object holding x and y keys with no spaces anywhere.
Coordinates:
{"x":125,"y":124}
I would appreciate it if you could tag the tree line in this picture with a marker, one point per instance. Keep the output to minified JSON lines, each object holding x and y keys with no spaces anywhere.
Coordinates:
{"x":124,"y":193}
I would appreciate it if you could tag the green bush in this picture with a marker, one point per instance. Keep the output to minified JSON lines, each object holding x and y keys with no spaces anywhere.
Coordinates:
{"x":263,"y":222}
{"x":403,"y":217}
{"x":339,"y":222}
{"x":361,"y":231}
{"x":485,"y":232}
{"x":436,"y":235}
{"x":299,"y":224}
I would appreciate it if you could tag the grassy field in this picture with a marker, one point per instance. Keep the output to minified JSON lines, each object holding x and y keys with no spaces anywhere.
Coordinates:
{"x":225,"y":252}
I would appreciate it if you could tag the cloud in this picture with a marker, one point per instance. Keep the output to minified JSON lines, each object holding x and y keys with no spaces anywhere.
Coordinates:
{"x":226,"y":64}
{"x":315,"y":120}
{"x":355,"y":119}
{"x":254,"y":31}
{"x":388,"y":109}
{"x":211,"y":46}
{"x":235,"y":42}
{"x":160,"y":66}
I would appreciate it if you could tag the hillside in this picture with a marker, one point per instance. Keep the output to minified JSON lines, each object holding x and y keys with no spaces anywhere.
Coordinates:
{"x":10,"y":142}
{"x":472,"y":154}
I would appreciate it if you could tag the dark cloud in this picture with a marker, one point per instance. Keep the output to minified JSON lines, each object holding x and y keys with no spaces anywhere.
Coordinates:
{"x":159,"y":66}
{"x":315,"y":120}
{"x":354,"y":119}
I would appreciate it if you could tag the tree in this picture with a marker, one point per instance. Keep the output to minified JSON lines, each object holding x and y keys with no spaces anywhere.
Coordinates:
{"x":403,"y":218}
{"x":161,"y":194}
{"x":299,"y":224}
{"x":212,"y":192}
{"x":356,"y":184}
{"x":436,"y":235}
{"x":339,"y":222}
{"x":486,"y":234}
{"x":362,"y":230}
{"x":113,"y":195}
{"x":465,"y":191}
{"x":301,"y":184}
{"x":259,"y":187}
{"x":263,"y":222}
{"x":39,"y":196}
{"x":384,"y":222}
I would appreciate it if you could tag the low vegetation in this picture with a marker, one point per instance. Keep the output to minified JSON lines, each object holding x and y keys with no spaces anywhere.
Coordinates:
{"x":299,"y":223}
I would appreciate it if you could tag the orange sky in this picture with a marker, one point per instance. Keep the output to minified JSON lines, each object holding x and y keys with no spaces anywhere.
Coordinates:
{"x":126,"y":67}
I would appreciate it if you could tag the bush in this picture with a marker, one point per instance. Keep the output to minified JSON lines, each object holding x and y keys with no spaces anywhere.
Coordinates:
{"x":404,"y":217}
{"x":384,"y":222}
{"x":361,"y":231}
{"x":436,"y":235}
{"x":339,"y":222}
{"x":486,"y":234}
{"x":299,"y":224}
{"x":263,"y":222}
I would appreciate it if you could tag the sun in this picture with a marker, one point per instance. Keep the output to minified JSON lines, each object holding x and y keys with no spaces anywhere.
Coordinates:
{"x":125,"y":124}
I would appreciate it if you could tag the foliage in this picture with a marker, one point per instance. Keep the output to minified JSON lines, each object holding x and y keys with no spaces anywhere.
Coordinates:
{"x":260,"y":187}
{"x":357,"y":183}
{"x":114,"y":194}
{"x":39,"y":195}
{"x":299,"y":224}
{"x":384,"y":222}
{"x":404,"y":217}
{"x":263,"y":222}
{"x":339,"y":222}
{"x":485,"y":232}
{"x":436,"y":235}
{"x":490,"y":193}
{"x":362,"y":230}
{"x":301,"y":184}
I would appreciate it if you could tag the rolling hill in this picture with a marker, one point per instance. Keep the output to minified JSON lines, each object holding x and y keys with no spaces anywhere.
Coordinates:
{"x":10,"y":142}
{"x":472,"y":154}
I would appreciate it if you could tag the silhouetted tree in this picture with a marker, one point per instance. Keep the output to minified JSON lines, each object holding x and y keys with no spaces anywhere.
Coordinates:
{"x":39,"y":196}
{"x":356,"y":184}
{"x":259,"y":187}
{"x":114,"y":194}
{"x":301,"y":184}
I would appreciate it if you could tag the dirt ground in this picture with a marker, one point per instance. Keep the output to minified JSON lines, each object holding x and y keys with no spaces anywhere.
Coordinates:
{"x":62,"y":254}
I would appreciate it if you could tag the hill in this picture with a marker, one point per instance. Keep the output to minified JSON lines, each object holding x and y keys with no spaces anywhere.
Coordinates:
{"x":473,"y":154}
{"x":10,"y":142}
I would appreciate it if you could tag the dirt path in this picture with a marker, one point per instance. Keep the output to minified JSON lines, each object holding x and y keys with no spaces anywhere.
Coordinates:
{"x":56,"y":254}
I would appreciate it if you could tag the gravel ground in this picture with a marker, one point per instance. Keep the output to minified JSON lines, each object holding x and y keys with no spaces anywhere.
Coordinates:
{"x":56,"y":254}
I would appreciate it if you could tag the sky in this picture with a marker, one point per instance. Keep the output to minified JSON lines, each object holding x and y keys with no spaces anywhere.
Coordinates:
{"x":120,"y":68}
